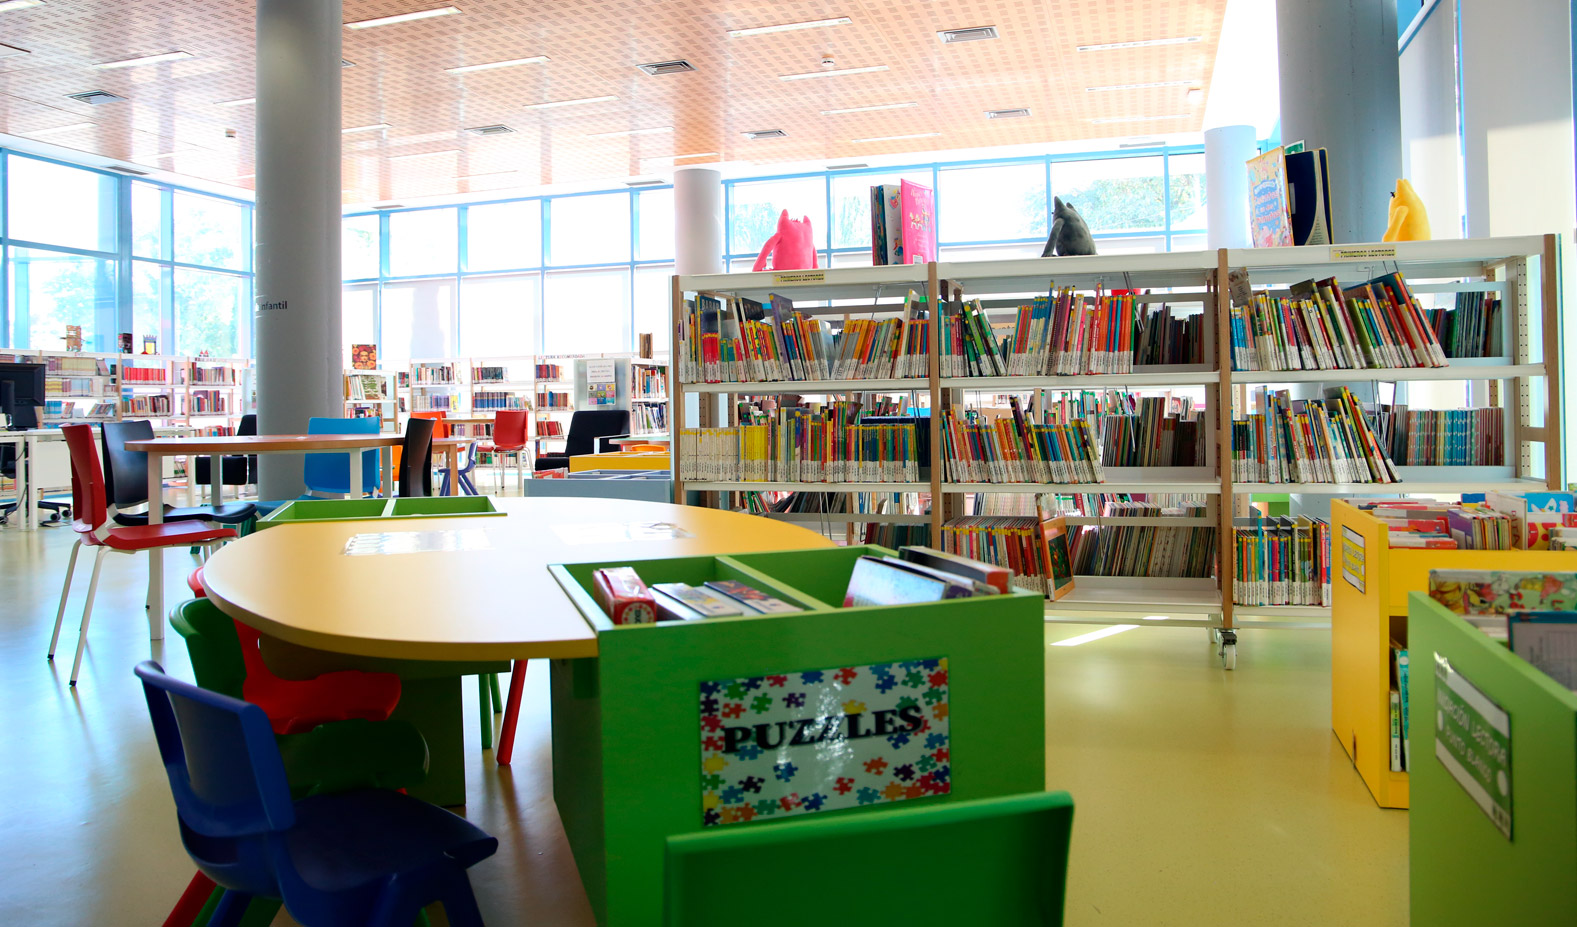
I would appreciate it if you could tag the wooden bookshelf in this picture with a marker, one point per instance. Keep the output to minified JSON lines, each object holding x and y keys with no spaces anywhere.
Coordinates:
{"x":373,"y":394}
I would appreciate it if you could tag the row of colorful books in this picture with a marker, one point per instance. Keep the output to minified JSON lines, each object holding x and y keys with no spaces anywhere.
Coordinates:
{"x":903,"y":223}
{"x":207,"y":401}
{"x":549,"y":372}
{"x":1324,"y":327}
{"x":489,"y":373}
{"x":71,"y":386}
{"x":1308,"y":441}
{"x":143,"y":374}
{"x":435,"y":372}
{"x":1065,"y":333}
{"x":213,"y":373}
{"x":364,"y":386}
{"x":490,"y":400}
{"x":1281,"y":560}
{"x":549,"y":399}
{"x":1016,"y":543}
{"x":78,"y":366}
{"x":156,"y":405}
{"x":1144,"y":550}
{"x":1534,"y":612}
{"x":800,"y":446}
{"x":435,"y":402}
{"x":1442,"y":437}
{"x":649,"y":381}
{"x":1003,"y":449}
{"x":648,"y":418}
{"x":1471,"y":328}
{"x":1153,"y":431}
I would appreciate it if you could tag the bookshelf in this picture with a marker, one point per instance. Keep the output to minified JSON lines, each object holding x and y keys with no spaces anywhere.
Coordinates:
{"x":500,"y":383}
{"x":79,"y":387}
{"x":373,"y":394}
{"x":648,"y":398}
{"x":436,"y":386}
{"x":553,"y":397}
{"x":1523,"y":382}
{"x":149,"y":386}
{"x":211,"y":393}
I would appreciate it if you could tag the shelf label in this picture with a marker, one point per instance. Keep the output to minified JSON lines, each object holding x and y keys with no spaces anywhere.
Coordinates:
{"x":788,"y":744}
{"x":1352,"y":558}
{"x":800,"y":276}
{"x":1473,"y":743}
{"x":1363,"y":253}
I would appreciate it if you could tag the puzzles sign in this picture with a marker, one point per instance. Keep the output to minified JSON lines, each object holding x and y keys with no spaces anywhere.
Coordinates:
{"x":819,"y":740}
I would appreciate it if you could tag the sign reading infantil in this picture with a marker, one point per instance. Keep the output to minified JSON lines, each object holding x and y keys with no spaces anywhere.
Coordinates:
{"x":796,"y":743}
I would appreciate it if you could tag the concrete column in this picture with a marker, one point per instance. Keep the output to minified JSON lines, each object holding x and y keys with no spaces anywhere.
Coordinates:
{"x":698,"y":221}
{"x":298,"y":226}
{"x":1227,"y":151}
{"x":1338,"y":65}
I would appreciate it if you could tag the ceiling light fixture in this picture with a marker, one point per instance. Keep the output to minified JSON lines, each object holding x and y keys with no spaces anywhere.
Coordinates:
{"x":345,"y":63}
{"x":246,"y":102}
{"x":1180,"y":40}
{"x":868,"y":109}
{"x":372,"y":128}
{"x":653,"y":182}
{"x":496,"y":129}
{"x":660,"y":68}
{"x":971,"y":34}
{"x":789,"y":27}
{"x":1107,"y":119}
{"x":758,"y":134}
{"x":1015,"y":113}
{"x":836,"y":72}
{"x":55,"y":130}
{"x":494,"y":65}
{"x":1144,"y":86}
{"x":553,"y":103}
{"x":10,"y":5}
{"x":896,"y":138}
{"x":403,"y":17}
{"x":145,"y":59}
{"x":96,"y":97}
{"x":652,"y":131}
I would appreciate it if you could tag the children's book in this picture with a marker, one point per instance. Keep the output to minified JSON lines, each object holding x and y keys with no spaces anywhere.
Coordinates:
{"x":364,"y":356}
{"x":704,"y":601}
{"x":994,"y":576}
{"x":1269,"y":218}
{"x":919,"y":222}
{"x":751,"y":598}
{"x":1548,"y":640}
{"x":879,"y":582}
{"x":1499,"y":592}
{"x":1055,"y":552}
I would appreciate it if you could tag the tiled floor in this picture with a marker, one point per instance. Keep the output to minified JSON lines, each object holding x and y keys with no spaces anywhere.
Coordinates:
{"x":1203,"y":797}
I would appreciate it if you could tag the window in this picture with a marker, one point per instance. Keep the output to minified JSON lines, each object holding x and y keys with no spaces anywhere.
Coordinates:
{"x":504,"y":236}
{"x":424,"y":241}
{"x":654,"y":304}
{"x":755,"y":208}
{"x":499,"y":315}
{"x":418,"y":321}
{"x":147,"y":221}
{"x":851,"y":204}
{"x":53,"y":204}
{"x":208,"y":312}
{"x":359,"y":248}
{"x":148,"y":301}
{"x":655,"y":221}
{"x":589,"y":230}
{"x":209,"y":231}
{"x":586,"y":311}
{"x":50,"y":290}
{"x":1187,"y":193}
{"x":992,"y":203}
{"x":359,"y":318}
{"x":1114,"y":194}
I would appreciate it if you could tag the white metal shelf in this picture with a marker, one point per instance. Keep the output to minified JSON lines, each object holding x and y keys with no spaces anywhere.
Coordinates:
{"x":1391,"y":489}
{"x":1137,"y":596}
{"x":862,"y":518}
{"x":742,"y":486}
{"x":1142,"y":486}
{"x":828,"y":283}
{"x":1180,"y":375}
{"x":813,"y":387}
{"x":1459,"y":370}
{"x":1137,"y":271}
{"x":1420,"y":259}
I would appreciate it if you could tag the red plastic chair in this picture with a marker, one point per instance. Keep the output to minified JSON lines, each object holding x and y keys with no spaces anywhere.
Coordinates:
{"x":442,"y":430}
{"x":90,"y":519}
{"x":509,"y":437}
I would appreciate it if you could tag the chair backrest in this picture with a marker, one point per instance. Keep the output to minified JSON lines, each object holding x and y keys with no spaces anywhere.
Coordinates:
{"x":468,"y":457}
{"x":1005,"y":861}
{"x":416,"y":458}
{"x":586,"y":427}
{"x":439,"y":417}
{"x":248,"y":425}
{"x":88,"y":510}
{"x":222,"y":760}
{"x":509,"y":427}
{"x":213,"y":645}
{"x":125,"y":472}
{"x":330,"y":472}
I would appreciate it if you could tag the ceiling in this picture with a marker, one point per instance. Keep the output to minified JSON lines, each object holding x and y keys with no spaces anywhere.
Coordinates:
{"x":174,"y":118}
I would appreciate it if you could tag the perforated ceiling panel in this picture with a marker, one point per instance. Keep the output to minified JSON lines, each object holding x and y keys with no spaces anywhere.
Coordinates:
{"x":174,"y":118}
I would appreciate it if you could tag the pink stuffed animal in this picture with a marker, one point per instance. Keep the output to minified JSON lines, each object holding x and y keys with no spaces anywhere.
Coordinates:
{"x":792,"y":248}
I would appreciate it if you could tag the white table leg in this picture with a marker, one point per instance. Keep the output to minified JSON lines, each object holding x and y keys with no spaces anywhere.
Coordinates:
{"x":355,"y":474}
{"x":156,"y":555}
{"x":191,"y":479}
{"x":215,"y":479}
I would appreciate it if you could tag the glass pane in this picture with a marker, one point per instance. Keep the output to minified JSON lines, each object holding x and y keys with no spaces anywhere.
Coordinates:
{"x":654,"y":305}
{"x":589,"y":229}
{"x":753,"y":212}
{"x":209,"y":231}
{"x":586,"y":311}
{"x":1187,"y":192}
{"x":851,"y":204}
{"x":498,"y":315}
{"x":208,"y":312}
{"x":147,"y":221}
{"x":992,"y":203}
{"x":50,"y":291}
{"x":147,"y":303}
{"x":418,"y":321}
{"x":995,"y":252}
{"x":655,"y":216}
{"x":1190,"y":242}
{"x":852,"y":259}
{"x":1113,"y":195}
{"x":359,"y":248}
{"x":359,"y":318}
{"x":1138,"y":244}
{"x":426,"y":241}
{"x":59,"y":205}
{"x":504,"y":236}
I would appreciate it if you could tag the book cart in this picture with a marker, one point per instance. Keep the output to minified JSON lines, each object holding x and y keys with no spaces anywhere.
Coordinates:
{"x":1524,"y":382}
{"x":1462,"y":867}
{"x":628,"y":767}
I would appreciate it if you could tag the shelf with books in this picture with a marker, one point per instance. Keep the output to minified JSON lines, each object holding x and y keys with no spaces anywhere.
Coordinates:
{"x":1160,"y":376}
{"x":497,"y":383}
{"x":372,"y":393}
{"x":750,"y":486}
{"x":1197,"y":487}
{"x":1458,"y":369}
{"x":812,"y":387}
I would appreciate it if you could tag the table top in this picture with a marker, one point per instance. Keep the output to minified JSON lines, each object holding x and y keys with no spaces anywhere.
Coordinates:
{"x":294,"y":581}
{"x":260,"y":444}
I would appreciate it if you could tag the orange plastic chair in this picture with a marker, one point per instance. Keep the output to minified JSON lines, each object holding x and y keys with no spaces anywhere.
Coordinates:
{"x":642,"y":447}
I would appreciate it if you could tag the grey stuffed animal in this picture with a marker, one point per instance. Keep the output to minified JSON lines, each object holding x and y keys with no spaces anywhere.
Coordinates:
{"x":1069,"y":234}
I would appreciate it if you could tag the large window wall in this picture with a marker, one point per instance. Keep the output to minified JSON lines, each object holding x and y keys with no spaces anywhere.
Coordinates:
{"x":115,"y":254}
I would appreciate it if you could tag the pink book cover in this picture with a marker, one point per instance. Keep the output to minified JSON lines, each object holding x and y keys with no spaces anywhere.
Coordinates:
{"x":919,"y":223}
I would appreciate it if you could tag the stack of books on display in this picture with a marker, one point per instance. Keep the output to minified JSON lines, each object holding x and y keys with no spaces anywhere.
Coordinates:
{"x":1445,"y":525}
{"x":1322,"y":327}
{"x":1063,"y":334}
{"x":649,"y":418}
{"x":798,"y":445}
{"x":1442,"y":437}
{"x":1533,"y":612}
{"x":491,"y":400}
{"x":206,"y":402}
{"x":649,"y":381}
{"x":921,"y":574}
{"x":1282,"y":560}
{"x":1013,"y":449}
{"x":1308,"y":441}
{"x":1010,"y":541}
{"x":1145,"y":550}
{"x":1471,"y":328}
{"x":1150,"y":431}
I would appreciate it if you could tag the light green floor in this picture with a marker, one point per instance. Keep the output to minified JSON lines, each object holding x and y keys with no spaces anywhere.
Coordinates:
{"x":1204,"y":797}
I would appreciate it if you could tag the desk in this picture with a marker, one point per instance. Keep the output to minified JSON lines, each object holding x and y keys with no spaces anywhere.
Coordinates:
{"x":426,"y":615}
{"x":216,"y":447}
{"x":24,"y":486}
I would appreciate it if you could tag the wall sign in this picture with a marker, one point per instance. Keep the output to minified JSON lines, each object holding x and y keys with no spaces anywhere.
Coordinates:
{"x":1352,"y":558}
{"x":796,"y":743}
{"x":1473,"y":743}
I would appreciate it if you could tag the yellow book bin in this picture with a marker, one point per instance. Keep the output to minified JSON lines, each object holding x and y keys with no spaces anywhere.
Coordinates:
{"x":620,"y":460}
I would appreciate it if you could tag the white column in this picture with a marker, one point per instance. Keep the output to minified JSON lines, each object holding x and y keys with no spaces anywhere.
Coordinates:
{"x":298,"y":226}
{"x":698,"y":221}
{"x":1227,"y":151}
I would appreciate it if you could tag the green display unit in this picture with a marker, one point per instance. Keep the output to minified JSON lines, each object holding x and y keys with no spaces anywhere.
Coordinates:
{"x":627,"y":725}
{"x":299,"y":510}
{"x":1463,"y":868}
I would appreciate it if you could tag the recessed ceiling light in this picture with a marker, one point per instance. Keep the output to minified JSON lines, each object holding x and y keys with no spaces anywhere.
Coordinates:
{"x":497,"y":129}
{"x":657,"y":130}
{"x":344,"y":63}
{"x":145,"y":59}
{"x":403,"y":17}
{"x":757,"y":134}
{"x":894,"y":138}
{"x":1180,"y":40}
{"x":971,"y":34}
{"x":1144,"y":86}
{"x":836,"y":72}
{"x":493,"y":65}
{"x":372,"y":128}
{"x":55,"y":130}
{"x":552,"y":103}
{"x":868,"y":109}
{"x":652,"y":182}
{"x":10,"y":5}
{"x":660,"y":68}
{"x":1140,"y":118}
{"x":246,"y":102}
{"x":1018,"y":112}
{"x":96,"y":97}
{"x":789,"y":27}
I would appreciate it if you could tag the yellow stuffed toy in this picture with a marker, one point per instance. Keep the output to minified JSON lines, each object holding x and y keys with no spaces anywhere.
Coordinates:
{"x":1408,"y":220}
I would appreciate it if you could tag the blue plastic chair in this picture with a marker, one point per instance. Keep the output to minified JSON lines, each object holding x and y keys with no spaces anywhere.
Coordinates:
{"x":369,"y":857}
{"x":467,"y":466}
{"x":330,"y":473}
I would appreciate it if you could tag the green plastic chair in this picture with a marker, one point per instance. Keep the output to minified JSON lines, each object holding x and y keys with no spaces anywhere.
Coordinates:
{"x":990,"y":861}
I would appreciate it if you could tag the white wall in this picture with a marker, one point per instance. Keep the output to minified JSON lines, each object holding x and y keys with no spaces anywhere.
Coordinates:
{"x":1431,"y":153}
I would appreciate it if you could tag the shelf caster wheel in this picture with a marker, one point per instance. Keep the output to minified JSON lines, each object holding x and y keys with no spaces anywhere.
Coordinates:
{"x":1229,"y":648}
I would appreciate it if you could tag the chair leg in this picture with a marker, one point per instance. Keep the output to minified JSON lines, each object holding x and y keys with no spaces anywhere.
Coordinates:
{"x":492,"y":688}
{"x":486,"y":712}
{"x":261,"y":912}
{"x":60,"y":613}
{"x":231,"y":907}
{"x":87,"y":614}
{"x":191,"y":903}
{"x":506,"y":736}
{"x":460,"y":902}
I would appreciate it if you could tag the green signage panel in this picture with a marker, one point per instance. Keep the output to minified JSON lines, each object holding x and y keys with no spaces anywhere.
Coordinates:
{"x":1473,"y":742}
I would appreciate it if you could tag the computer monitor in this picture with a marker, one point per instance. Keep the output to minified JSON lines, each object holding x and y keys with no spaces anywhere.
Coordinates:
{"x":21,"y":394}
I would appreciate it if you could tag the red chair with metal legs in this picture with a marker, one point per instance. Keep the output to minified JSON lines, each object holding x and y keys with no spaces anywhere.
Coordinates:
{"x":509,"y":437}
{"x":90,"y":519}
